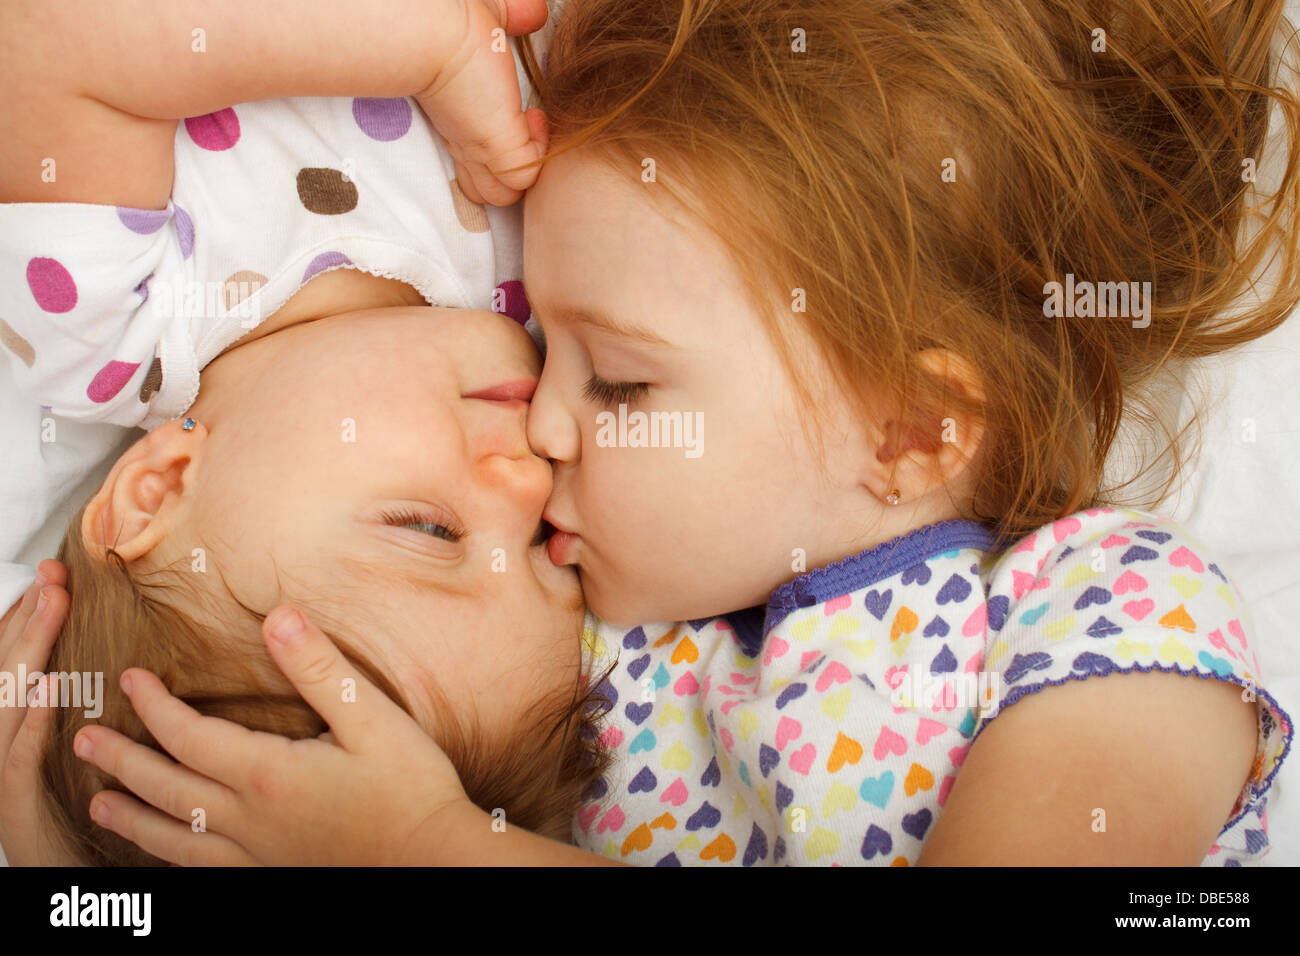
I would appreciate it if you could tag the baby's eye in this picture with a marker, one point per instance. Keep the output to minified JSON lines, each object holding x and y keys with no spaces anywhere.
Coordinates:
{"x":613,"y":393}
{"x":408,"y":519}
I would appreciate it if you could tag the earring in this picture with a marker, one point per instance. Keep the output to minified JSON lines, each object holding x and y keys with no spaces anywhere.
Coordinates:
{"x":893,"y":497}
{"x":188,"y":425}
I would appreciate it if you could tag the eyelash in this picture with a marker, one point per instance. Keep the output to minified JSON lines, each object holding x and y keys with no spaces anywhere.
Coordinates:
{"x":409,"y":519}
{"x":613,"y":393}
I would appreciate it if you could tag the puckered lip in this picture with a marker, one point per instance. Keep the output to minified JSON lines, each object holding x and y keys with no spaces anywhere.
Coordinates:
{"x":555,"y":525}
{"x":519,"y":390}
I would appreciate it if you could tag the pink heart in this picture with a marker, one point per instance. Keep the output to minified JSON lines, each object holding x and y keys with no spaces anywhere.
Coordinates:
{"x":611,"y":821}
{"x":973,"y":665}
{"x":704,"y":688}
{"x":1139,"y":609}
{"x":1114,"y":541}
{"x":1235,"y":627}
{"x":928,"y":728}
{"x":946,"y":700}
{"x":727,"y":707}
{"x":612,"y":737}
{"x":832,"y":673}
{"x":775,"y":648}
{"x":888,"y":742}
{"x":787,"y":730}
{"x":802,"y":759}
{"x":895,"y":676}
{"x":1130,"y":581}
{"x":958,"y":754}
{"x":686,"y":685}
{"x":1182,"y":558}
{"x":1066,"y":527}
{"x":836,"y":604}
{"x":727,"y":740}
{"x":977,"y":621}
{"x":807,"y":657}
{"x":675,"y":794}
{"x":587,"y":815}
{"x":741,"y":678}
{"x":1027,"y":544}
{"x":945,"y":788}
{"x":1216,"y":638}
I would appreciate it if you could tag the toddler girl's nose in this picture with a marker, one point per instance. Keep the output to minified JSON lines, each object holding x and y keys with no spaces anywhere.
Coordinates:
{"x":552,"y":431}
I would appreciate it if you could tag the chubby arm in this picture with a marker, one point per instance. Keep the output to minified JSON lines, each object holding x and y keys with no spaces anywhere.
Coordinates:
{"x":1163,"y":755}
{"x":98,"y":87}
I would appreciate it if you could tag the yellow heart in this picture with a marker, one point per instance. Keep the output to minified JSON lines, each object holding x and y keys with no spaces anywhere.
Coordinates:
{"x":900,"y":645}
{"x":1179,"y":618}
{"x":843,"y":624}
{"x":838,"y":797}
{"x":1131,"y":649}
{"x":1174,"y":650}
{"x":676,"y":757}
{"x":747,"y":724}
{"x":1225,"y":592}
{"x":861,"y":649}
{"x":690,"y":843}
{"x":998,"y":652}
{"x":836,"y":705}
{"x":904,"y":622}
{"x":1186,"y":586}
{"x":740,"y":807}
{"x":1058,"y":629}
{"x":821,"y":843}
{"x":765,"y":798}
{"x":595,"y":644}
{"x":669,"y":714}
{"x":1080,"y":572}
{"x":741,"y":661}
{"x":803,"y":629}
{"x":701,"y":725}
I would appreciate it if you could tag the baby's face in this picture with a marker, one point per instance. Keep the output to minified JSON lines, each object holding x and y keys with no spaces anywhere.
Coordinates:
{"x":349,"y":462}
{"x":672,"y":533}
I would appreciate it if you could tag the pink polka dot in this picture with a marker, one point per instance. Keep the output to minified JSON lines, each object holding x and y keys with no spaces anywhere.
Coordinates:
{"x":326,"y":260}
{"x":215,"y":131}
{"x":144,"y":221}
{"x":382,"y":119}
{"x":51,"y":285}
{"x":515,"y":304}
{"x":184,"y":231}
{"x":110,"y":380}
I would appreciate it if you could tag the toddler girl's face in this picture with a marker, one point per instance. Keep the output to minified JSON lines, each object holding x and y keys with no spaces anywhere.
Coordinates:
{"x":371,"y":462}
{"x":642,"y":308}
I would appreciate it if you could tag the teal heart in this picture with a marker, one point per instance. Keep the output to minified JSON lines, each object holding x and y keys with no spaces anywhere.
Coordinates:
{"x":878,"y":789}
{"x":1031,"y":617}
{"x":743,"y":773}
{"x":661,"y":676}
{"x":1217,"y":664}
{"x":644,"y":741}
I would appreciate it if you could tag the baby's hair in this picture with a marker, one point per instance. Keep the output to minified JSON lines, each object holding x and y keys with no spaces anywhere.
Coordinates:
{"x":123,"y":616}
{"x":924,"y":169}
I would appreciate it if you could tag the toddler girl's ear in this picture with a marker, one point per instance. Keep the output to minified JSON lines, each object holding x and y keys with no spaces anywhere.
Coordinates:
{"x":917,"y":453}
{"x":147,"y":494}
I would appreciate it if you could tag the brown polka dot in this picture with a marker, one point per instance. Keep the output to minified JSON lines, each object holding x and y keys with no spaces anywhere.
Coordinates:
{"x":17,"y":344}
{"x":326,"y":192}
{"x":152,"y":381}
{"x":471,"y":215}
{"x":241,"y":285}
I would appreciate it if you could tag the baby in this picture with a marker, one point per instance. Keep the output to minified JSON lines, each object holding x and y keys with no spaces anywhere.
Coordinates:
{"x":352,"y":447}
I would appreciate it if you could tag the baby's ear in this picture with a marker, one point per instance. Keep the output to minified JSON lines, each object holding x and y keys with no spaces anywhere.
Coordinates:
{"x":147,"y":493}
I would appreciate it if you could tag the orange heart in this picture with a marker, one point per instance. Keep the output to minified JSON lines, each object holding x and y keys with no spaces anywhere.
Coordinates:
{"x":722,"y":847}
{"x":846,"y":750}
{"x":685,"y":651}
{"x":638,"y":839}
{"x":918,"y":778}
{"x":899,"y":861}
{"x":904,"y":623}
{"x":1179,"y":618}
{"x":666,"y":639}
{"x":665,"y":822}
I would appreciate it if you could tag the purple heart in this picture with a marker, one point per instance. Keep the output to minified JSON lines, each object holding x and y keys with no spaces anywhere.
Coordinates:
{"x":778,"y":851}
{"x":784,"y":796}
{"x":756,"y":849}
{"x":1215,"y":569}
{"x":1089,"y":663}
{"x":1094,"y":595}
{"x":1159,"y":537}
{"x":669,"y":860}
{"x":789,"y":693}
{"x":956,"y":588}
{"x":634,"y":639}
{"x":876,"y":841}
{"x":596,"y":789}
{"x":705,"y":817}
{"x":768,"y":757}
{"x":920,"y":573}
{"x":878,"y":603}
{"x":638,"y":666}
{"x":1104,"y":628}
{"x":915,"y":824}
{"x":1022,"y":664}
{"x":1138,"y":553}
{"x":945,"y":662}
{"x":638,"y":712}
{"x":1256,"y":840}
{"x":997,"y":612}
{"x":712,"y":775}
{"x":937,"y":626}
{"x":643,"y":782}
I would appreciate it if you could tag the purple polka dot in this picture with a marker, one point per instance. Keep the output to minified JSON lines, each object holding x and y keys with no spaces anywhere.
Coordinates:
{"x":382,"y":119}
{"x":51,"y":285}
{"x":215,"y":131}
{"x":326,"y":260}
{"x":110,"y":380}
{"x":516,"y":303}
{"x":142,"y":290}
{"x":144,"y":221}
{"x":184,"y":231}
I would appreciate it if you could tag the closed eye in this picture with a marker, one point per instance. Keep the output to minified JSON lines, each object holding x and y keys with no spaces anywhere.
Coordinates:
{"x":613,"y":393}
{"x":408,"y":519}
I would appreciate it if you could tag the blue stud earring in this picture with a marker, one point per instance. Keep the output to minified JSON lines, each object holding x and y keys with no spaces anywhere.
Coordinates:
{"x":188,"y":424}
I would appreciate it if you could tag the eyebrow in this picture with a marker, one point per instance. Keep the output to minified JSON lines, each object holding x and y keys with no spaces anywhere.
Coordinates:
{"x":601,"y":320}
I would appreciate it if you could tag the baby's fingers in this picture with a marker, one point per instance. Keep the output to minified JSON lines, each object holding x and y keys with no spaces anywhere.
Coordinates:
{"x":161,"y":836}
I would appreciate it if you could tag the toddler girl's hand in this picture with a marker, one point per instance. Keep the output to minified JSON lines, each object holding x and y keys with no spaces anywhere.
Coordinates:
{"x":368,"y":792}
{"x":27,"y":634}
{"x":474,"y":101}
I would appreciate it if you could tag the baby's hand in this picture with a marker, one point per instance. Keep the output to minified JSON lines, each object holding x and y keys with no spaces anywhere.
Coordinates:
{"x":369,"y":792}
{"x":474,"y":102}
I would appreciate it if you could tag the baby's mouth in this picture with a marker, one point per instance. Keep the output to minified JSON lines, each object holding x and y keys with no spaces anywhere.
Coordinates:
{"x":544,"y":531}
